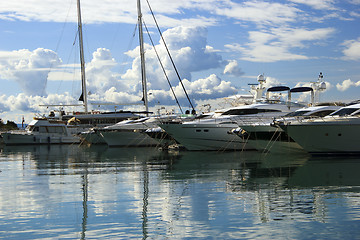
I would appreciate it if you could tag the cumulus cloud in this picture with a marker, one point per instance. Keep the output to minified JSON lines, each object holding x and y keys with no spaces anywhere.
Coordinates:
{"x":352,"y":49}
{"x":346,"y":84}
{"x":188,"y":47}
{"x":279,"y":44}
{"x":232,"y":68}
{"x":190,"y":53}
{"x":14,"y":107}
{"x":210,"y":87}
{"x":271,"y":82}
{"x":29,"y":69}
{"x":100,"y":74}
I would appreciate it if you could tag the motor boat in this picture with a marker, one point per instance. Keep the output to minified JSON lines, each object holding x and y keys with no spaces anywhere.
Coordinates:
{"x":41,"y":131}
{"x":212,"y":132}
{"x":266,"y":137}
{"x":337,"y":133}
{"x":135,"y":133}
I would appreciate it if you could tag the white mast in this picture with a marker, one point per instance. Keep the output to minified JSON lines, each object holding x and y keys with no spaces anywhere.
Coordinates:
{"x":82,"y":61}
{"x":142,"y":57}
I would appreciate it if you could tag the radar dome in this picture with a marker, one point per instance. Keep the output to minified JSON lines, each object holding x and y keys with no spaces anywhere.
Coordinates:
{"x":261,"y":78}
{"x":322,"y":86}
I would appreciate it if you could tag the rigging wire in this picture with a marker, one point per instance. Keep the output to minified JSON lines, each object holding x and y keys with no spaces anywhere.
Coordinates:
{"x":57,"y":47}
{"x":125,"y":56}
{"x":167,"y":49}
{"x":162,"y":66}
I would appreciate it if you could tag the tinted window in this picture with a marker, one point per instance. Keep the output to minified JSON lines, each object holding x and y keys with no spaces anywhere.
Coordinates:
{"x":248,"y":111}
{"x":297,"y":113}
{"x":322,"y":113}
{"x":344,"y":111}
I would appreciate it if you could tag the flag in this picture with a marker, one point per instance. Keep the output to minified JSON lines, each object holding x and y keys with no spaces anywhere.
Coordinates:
{"x":81,"y":98}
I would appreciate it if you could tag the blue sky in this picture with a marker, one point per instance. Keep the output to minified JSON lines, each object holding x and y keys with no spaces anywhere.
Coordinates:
{"x":218,"y":47}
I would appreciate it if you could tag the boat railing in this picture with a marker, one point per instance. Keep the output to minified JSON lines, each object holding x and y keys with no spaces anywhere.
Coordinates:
{"x":329,"y":118}
{"x":339,"y":118}
{"x":254,"y":120}
{"x":16,"y":131}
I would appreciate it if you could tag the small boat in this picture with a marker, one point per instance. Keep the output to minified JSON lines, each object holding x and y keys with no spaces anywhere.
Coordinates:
{"x":41,"y":131}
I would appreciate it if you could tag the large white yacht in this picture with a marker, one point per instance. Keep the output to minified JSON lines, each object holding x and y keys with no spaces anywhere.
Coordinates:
{"x":212,"y":132}
{"x":337,"y":133}
{"x":266,"y":137}
{"x":41,"y":131}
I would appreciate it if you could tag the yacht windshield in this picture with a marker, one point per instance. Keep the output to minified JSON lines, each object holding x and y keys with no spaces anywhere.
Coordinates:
{"x":344,"y":112}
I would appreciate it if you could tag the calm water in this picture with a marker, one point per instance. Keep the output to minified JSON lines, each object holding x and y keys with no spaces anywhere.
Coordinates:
{"x":71,"y":192}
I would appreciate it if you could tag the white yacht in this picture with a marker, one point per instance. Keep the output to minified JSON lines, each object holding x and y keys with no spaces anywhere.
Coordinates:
{"x":131,"y":133}
{"x":84,"y":124}
{"x":337,"y":133}
{"x":212,"y":133}
{"x":263,"y":136}
{"x":85,"y":120}
{"x":268,"y":138}
{"x":41,"y":131}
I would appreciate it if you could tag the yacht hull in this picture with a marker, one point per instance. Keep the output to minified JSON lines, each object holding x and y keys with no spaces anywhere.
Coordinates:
{"x":33,"y":139}
{"x":92,"y":137}
{"x":266,"y":138}
{"x":129,"y":138}
{"x":206,"y":137}
{"x":327,"y":137}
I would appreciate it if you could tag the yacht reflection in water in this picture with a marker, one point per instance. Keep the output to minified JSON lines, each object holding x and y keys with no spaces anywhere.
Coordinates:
{"x":162,"y":190}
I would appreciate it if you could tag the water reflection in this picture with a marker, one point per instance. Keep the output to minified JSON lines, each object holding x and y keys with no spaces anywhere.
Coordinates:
{"x":101,"y":192}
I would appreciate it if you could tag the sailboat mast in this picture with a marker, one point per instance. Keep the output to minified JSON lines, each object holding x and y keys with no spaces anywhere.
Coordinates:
{"x":142,"y":57}
{"x":82,"y":61}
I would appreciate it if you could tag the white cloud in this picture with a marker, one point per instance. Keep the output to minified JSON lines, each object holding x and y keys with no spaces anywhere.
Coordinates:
{"x":317,"y":4}
{"x":233,"y":68}
{"x":352,"y":49}
{"x":210,"y":87}
{"x":271,"y":82}
{"x":277,"y":44}
{"x":122,"y":11}
{"x":169,"y":13}
{"x":28,"y":68}
{"x":346,"y":84}
{"x":188,"y":47}
{"x":100,"y":74}
{"x":190,"y":53}
{"x":260,"y":12}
